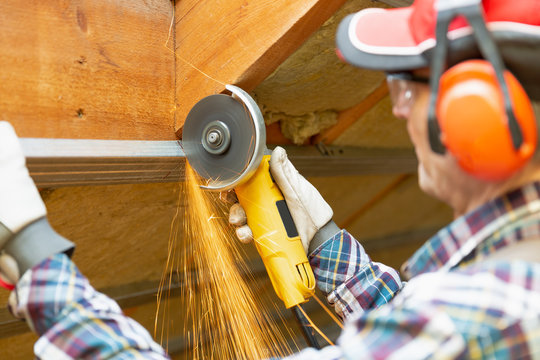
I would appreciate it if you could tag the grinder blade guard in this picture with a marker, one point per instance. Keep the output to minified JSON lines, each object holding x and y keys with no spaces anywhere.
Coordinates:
{"x":225,"y":139}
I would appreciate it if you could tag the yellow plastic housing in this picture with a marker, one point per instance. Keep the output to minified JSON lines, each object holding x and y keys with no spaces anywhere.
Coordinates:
{"x":275,"y":237}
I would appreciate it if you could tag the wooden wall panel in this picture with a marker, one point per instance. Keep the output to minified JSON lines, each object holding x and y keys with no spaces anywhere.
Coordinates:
{"x":87,"y":69}
{"x":121,"y":231}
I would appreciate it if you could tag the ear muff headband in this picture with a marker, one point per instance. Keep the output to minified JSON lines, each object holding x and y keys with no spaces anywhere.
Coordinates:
{"x":472,"y":11}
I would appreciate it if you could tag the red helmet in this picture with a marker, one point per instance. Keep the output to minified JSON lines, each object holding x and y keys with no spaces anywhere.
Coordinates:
{"x":404,"y":38}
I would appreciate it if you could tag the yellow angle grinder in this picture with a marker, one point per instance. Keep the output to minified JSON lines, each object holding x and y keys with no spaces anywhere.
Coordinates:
{"x":224,"y":139}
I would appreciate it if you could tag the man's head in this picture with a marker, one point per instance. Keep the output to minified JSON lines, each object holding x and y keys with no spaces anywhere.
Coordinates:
{"x":473,"y":126}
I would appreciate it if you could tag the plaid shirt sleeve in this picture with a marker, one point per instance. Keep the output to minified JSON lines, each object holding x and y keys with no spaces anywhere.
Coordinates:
{"x":352,"y":282}
{"x":75,"y":321}
{"x":489,"y":310}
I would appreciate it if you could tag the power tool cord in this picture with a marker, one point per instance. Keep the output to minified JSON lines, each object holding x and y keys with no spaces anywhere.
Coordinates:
{"x":307,"y":330}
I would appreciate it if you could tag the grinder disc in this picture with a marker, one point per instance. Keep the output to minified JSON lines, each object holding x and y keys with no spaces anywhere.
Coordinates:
{"x":219,"y":140}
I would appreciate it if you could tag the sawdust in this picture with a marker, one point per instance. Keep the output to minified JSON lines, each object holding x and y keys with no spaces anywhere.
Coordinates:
{"x":308,"y":89}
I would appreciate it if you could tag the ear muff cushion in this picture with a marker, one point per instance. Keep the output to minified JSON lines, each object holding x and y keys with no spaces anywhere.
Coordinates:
{"x":473,"y":122}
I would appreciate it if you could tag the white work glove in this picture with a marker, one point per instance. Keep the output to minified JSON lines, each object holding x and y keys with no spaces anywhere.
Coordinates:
{"x":20,"y":202}
{"x":26,"y":237}
{"x":307,"y":207}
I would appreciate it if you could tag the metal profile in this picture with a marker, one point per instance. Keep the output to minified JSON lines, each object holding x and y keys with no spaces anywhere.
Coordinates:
{"x":315,"y":161}
{"x":72,"y":162}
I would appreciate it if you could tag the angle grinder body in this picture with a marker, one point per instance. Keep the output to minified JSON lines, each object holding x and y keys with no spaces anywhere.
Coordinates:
{"x":276,"y":237}
{"x":225,"y":142}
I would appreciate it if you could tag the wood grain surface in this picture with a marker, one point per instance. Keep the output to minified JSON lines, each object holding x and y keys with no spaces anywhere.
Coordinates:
{"x":87,"y":69}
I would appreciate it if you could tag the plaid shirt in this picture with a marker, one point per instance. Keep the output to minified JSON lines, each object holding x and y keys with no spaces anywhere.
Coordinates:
{"x":73,"y":320}
{"x":458,"y":304}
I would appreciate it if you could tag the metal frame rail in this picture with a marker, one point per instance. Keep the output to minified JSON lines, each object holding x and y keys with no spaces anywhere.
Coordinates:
{"x":73,"y":162}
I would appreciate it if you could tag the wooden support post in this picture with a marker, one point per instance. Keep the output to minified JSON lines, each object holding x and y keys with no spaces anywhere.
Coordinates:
{"x":87,"y":69}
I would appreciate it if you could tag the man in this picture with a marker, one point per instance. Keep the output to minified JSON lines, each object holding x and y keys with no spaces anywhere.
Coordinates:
{"x":474,"y":288}
{"x":73,"y":320}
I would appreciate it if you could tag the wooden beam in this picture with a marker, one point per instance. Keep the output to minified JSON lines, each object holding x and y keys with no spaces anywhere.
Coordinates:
{"x":87,"y":69}
{"x":348,"y":117}
{"x":274,"y":136}
{"x":237,"y":42}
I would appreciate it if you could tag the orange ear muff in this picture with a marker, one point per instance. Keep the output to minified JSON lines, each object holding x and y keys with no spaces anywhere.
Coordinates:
{"x":474,"y":126}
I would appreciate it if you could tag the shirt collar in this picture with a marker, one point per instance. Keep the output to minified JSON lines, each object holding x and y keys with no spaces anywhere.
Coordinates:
{"x":462,"y":237}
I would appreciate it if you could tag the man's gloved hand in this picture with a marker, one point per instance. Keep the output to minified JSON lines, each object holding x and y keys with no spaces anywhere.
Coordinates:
{"x":22,"y":214}
{"x":309,"y":210}
{"x":20,"y":203}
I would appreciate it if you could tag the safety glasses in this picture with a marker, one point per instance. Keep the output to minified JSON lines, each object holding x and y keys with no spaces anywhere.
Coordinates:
{"x":403,"y":88}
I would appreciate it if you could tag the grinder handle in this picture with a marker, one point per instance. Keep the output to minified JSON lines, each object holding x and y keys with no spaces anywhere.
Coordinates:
{"x":276,"y":237}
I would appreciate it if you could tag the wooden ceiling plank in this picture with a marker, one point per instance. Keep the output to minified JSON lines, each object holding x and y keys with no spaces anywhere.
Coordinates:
{"x":348,"y":117}
{"x":237,"y":42}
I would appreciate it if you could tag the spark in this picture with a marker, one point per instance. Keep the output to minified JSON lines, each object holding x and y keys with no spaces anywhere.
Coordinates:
{"x":315,"y":327}
{"x":223,"y":316}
